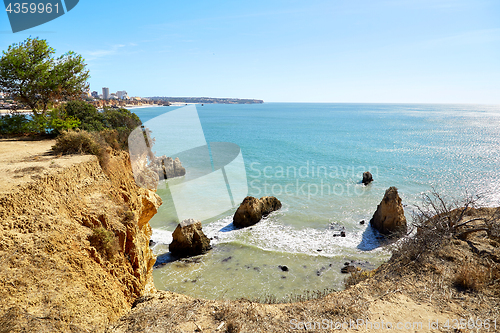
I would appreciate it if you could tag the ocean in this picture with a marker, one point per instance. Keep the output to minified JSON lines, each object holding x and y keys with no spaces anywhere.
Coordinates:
{"x":311,"y":157}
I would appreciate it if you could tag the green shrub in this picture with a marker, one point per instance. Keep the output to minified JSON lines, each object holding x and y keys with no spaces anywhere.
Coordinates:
{"x":113,"y":125}
{"x":123,"y":122}
{"x":53,"y":123}
{"x":90,"y":118}
{"x":58,"y":121}
{"x":13,"y":123}
{"x":120,"y":119}
{"x":77,"y":142}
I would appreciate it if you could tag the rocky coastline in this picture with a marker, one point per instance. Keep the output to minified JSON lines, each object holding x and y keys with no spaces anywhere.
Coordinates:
{"x":74,"y":246}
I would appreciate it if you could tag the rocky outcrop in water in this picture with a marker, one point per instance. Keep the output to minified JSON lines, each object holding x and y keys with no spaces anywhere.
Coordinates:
{"x":389,"y":218}
{"x":166,"y":167}
{"x":148,"y":174}
{"x":252,"y":210}
{"x":189,"y":239}
{"x":367,"y":178}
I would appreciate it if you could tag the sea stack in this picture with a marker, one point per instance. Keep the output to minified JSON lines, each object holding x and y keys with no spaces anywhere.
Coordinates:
{"x":252,"y":210}
{"x":367,"y":177}
{"x":189,"y":240}
{"x":168,"y":167}
{"x":389,"y":218}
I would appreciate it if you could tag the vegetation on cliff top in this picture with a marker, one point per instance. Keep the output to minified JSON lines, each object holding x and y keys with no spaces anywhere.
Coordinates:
{"x":32,"y":75}
{"x":97,"y":130}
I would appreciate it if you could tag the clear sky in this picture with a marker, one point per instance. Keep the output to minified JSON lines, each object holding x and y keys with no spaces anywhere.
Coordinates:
{"x":415,"y":51}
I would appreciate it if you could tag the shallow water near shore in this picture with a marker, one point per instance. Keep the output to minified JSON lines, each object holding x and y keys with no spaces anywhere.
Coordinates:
{"x":312,"y":156}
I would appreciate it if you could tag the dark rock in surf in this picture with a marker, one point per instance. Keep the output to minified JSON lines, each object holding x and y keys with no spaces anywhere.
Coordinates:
{"x":367,"y":177}
{"x":283,"y":268}
{"x":252,"y":210}
{"x":189,"y":240}
{"x":348,"y":269}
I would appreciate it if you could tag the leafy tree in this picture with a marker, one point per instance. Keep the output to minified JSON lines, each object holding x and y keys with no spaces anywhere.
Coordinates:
{"x":30,"y":73}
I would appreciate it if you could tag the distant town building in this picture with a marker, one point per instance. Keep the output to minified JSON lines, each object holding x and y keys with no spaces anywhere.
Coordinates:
{"x":95,"y":94}
{"x":112,"y":96}
{"x":105,"y":93}
{"x":122,"y":94}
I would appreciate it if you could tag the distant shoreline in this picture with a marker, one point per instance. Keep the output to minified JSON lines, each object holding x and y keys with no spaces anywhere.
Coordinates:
{"x":205,"y":100}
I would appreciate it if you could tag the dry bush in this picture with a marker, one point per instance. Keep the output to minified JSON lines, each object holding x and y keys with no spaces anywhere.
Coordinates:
{"x":472,"y":276}
{"x":306,"y":295}
{"x":357,"y":277}
{"x":104,"y":241}
{"x":436,"y":220}
{"x":77,"y":142}
{"x":113,"y":138}
{"x":82,"y":142}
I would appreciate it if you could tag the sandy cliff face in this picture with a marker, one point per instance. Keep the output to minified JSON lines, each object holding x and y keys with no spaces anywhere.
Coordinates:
{"x":74,"y":251}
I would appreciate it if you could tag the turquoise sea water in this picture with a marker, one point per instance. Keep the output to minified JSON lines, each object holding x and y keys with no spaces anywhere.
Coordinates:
{"x":312,"y":156}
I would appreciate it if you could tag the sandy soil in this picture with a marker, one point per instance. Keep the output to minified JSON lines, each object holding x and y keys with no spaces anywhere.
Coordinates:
{"x":23,"y":161}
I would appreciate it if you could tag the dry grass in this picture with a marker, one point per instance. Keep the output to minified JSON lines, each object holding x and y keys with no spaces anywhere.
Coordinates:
{"x":307,"y":295}
{"x":472,"y":276}
{"x":357,"y":277}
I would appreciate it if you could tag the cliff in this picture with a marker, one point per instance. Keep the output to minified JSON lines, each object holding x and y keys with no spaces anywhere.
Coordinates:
{"x":74,"y":246}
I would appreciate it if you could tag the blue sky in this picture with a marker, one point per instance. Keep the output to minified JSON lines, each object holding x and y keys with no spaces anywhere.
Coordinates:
{"x":396,"y":51}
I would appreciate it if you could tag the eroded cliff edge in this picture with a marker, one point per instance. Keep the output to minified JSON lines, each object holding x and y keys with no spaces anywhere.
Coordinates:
{"x":74,"y":252}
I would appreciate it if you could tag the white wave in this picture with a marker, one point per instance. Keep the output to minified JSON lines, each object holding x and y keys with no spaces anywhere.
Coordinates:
{"x":161,"y":236}
{"x":270,"y":235}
